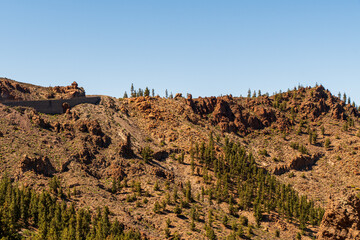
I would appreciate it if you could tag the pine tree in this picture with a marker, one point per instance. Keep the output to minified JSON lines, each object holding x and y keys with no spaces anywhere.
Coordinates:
{"x":132,"y":91}
{"x":125,"y":95}
{"x":167,"y":232}
{"x":258,"y":214}
{"x":188,"y":194}
{"x":147,"y":92}
{"x":225,"y":220}
{"x":140,"y":93}
{"x":177,"y":210}
{"x":105,"y":223}
{"x":192,"y":163}
{"x":117,"y":228}
{"x":210,"y":234}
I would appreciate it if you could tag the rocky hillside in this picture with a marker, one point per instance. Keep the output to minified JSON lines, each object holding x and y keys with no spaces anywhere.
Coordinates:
{"x":342,"y":218}
{"x":189,"y":168}
{"x":11,"y":90}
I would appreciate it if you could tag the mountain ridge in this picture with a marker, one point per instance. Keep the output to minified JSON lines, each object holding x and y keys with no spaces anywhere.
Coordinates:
{"x":306,"y":137}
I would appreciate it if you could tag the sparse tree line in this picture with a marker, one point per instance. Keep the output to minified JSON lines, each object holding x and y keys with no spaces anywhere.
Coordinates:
{"x":52,"y":218}
{"x":278,"y":96}
{"x":144,"y":93}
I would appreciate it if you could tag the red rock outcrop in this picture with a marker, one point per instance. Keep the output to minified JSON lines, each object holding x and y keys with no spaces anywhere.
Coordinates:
{"x":162,"y":173}
{"x":125,"y":148}
{"x":280,"y":169}
{"x":71,"y":91}
{"x":322,"y":102}
{"x":341,"y":220}
{"x":302,"y":162}
{"x":97,"y":136}
{"x":38,"y":120}
{"x":231,"y":116}
{"x":11,"y":90}
{"x":38,"y":164}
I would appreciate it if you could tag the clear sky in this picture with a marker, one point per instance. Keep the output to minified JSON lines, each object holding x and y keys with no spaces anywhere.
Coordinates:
{"x":203,"y":47}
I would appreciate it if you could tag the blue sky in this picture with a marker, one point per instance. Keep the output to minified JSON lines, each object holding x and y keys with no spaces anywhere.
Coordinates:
{"x":203,"y":47}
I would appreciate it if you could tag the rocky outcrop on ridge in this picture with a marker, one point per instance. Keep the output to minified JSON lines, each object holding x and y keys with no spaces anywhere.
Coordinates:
{"x":11,"y":90}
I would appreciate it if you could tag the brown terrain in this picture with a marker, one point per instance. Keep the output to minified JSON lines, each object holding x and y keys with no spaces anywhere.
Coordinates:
{"x":91,"y":146}
{"x":11,"y":90}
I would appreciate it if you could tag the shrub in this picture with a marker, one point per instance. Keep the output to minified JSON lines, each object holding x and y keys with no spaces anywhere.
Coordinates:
{"x":294,"y":145}
{"x":156,"y":186}
{"x":131,"y":198}
{"x":137,"y":187}
{"x":243,"y":220}
{"x":327,"y":143}
{"x":173,"y":156}
{"x":157,"y":207}
{"x":263,"y":152}
{"x":302,"y":149}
